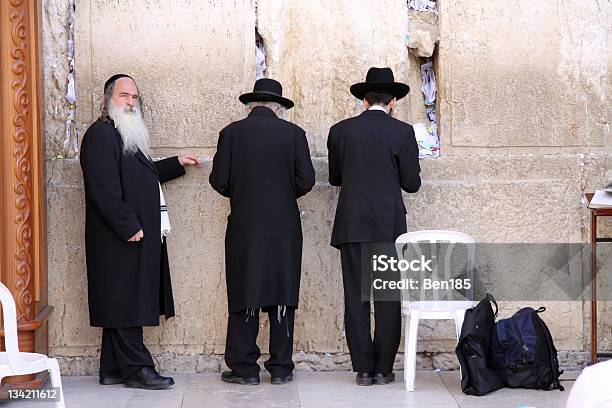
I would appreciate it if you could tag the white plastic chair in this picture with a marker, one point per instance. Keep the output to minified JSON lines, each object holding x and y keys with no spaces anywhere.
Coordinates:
{"x":447,"y":309}
{"x":14,"y":362}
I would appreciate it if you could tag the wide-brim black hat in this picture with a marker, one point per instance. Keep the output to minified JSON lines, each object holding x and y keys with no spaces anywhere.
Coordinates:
{"x":380,"y":79}
{"x":267,"y":90}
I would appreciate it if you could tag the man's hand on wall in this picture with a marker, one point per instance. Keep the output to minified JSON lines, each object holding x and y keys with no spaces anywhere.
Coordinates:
{"x":189,"y":160}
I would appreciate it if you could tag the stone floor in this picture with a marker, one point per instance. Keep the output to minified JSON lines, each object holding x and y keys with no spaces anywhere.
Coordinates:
{"x":316,"y":390}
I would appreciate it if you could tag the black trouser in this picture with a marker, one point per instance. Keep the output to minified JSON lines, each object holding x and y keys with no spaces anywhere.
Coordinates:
{"x":241,"y":351}
{"x":123,"y":352}
{"x":368,"y":356}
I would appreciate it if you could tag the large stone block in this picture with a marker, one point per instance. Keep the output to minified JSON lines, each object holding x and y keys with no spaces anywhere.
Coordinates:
{"x":69,"y":330}
{"x":318,"y":49}
{"x":525,"y":74}
{"x":191,"y":60}
{"x":518,"y":199}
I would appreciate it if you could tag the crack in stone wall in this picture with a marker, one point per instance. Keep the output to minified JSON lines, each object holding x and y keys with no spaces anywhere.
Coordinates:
{"x":421,"y":39}
{"x":260,"y":56}
{"x":56,"y":33}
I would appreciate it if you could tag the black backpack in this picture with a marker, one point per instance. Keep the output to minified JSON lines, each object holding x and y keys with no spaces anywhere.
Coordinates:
{"x":477,"y":374}
{"x":523,"y":353}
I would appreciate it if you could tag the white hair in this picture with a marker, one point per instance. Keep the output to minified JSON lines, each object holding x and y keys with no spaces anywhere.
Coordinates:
{"x":275,"y":106}
{"x":131,"y":127}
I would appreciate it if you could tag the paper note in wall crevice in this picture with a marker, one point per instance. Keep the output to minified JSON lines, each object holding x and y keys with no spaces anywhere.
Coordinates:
{"x":429,"y":144}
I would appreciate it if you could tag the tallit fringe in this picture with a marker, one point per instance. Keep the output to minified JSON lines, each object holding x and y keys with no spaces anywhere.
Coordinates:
{"x":281,"y":311}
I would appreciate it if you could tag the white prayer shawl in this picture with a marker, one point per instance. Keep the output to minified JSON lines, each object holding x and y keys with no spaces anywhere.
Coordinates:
{"x":165,"y":220}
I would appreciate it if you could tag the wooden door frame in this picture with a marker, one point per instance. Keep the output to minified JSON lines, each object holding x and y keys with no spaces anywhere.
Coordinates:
{"x":23,"y":241}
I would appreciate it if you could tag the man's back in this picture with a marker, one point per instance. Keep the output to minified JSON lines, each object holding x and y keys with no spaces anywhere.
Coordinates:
{"x":263,"y":165}
{"x":269,"y":163}
{"x":373,"y":157}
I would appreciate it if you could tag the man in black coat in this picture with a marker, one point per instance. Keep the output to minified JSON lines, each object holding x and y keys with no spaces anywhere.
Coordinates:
{"x":373,"y":157}
{"x":126,"y":222}
{"x":262,"y":165}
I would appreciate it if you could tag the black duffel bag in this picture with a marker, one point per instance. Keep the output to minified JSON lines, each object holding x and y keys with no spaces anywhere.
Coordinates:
{"x":477,"y":374}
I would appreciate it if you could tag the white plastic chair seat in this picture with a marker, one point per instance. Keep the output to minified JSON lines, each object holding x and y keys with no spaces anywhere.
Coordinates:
{"x":32,"y":360}
{"x":431,"y":309}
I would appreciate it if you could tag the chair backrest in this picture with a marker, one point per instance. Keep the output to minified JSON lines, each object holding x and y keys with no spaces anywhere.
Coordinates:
{"x":9,"y":318}
{"x":433,"y":237}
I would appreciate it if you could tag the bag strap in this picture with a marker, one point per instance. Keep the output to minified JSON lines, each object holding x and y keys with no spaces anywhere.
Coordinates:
{"x":492,"y":300}
{"x":553,"y":358}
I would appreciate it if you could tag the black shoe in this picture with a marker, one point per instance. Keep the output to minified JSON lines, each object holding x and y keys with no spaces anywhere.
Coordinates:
{"x":282,"y":380}
{"x":364,"y":379}
{"x":111,"y":379}
{"x":148,"y":379}
{"x":232,"y":378}
{"x":382,"y":379}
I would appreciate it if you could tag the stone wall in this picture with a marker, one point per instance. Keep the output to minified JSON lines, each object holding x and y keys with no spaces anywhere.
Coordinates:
{"x":523,"y":96}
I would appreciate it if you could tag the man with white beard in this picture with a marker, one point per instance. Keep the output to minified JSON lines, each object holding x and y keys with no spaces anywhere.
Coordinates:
{"x":126,"y":224}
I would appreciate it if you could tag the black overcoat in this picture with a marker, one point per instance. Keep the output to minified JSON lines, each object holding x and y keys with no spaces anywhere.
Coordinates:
{"x":373,"y":157}
{"x":263,"y":165}
{"x":128,"y":282}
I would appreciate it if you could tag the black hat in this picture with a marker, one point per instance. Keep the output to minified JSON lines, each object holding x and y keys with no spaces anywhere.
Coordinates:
{"x":266,"y":90}
{"x":115,"y":77}
{"x":380,"y":79}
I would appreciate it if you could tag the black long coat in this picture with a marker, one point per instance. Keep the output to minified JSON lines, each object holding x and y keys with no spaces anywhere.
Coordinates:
{"x":263,"y":165}
{"x":373,"y":157}
{"x":128,"y":282}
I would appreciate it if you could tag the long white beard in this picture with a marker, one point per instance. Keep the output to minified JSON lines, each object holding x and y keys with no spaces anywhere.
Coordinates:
{"x":131,"y":127}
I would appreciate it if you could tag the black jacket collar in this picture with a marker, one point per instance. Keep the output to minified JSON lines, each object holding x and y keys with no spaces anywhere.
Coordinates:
{"x":262,"y":110}
{"x":374,"y":112}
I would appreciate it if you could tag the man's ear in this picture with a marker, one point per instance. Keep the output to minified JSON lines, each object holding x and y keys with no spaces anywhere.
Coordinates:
{"x":366,"y":104}
{"x":392,"y":103}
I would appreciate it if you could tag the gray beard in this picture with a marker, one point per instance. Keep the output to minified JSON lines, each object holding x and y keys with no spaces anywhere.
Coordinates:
{"x":132,"y":129}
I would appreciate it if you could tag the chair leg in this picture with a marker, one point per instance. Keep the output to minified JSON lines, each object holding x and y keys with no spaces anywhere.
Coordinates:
{"x":56,"y":381}
{"x":459,"y":317}
{"x":406,"y":335}
{"x":410,"y":351}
